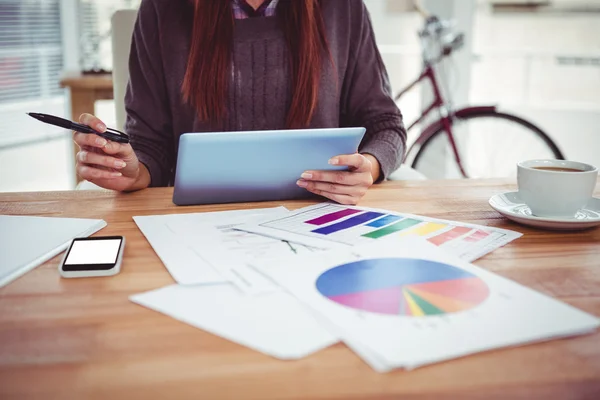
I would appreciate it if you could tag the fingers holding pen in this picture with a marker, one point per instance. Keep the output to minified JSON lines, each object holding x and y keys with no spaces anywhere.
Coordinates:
{"x":107,"y":163}
{"x":91,"y":140}
{"x":90,"y":157}
{"x":92,"y":121}
{"x":88,"y":172}
{"x":93,"y":164}
{"x":85,"y":139}
{"x":106,"y":146}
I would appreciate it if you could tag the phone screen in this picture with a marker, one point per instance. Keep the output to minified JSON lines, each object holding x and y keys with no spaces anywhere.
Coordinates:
{"x":93,"y":254}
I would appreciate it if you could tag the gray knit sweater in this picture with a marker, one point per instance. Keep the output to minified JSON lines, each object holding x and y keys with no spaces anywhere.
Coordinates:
{"x":260,"y":88}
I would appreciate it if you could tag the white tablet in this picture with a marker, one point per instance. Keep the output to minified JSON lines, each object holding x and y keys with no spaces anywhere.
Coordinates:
{"x":234,"y":167}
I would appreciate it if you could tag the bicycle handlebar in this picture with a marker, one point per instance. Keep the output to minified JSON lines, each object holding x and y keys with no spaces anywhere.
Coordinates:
{"x":456,"y":43}
{"x":440,"y":31}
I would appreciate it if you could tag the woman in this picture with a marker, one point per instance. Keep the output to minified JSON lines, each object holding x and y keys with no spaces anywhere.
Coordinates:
{"x":232,"y":65}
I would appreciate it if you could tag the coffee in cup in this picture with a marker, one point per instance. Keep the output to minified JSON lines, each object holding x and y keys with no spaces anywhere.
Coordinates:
{"x":556,"y":188}
{"x":558,"y":169}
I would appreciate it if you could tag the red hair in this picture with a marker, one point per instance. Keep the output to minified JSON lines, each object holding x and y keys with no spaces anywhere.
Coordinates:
{"x":208,"y":68}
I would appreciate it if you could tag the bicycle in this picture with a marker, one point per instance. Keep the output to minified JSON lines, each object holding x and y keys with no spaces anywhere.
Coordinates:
{"x":460,"y":131}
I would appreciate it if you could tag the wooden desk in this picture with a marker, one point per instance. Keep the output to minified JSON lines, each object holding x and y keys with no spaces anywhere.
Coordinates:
{"x":83,"y":338}
{"x":85,"y":91}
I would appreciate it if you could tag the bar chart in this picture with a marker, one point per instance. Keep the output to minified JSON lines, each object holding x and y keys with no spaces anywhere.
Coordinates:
{"x":330,"y":225}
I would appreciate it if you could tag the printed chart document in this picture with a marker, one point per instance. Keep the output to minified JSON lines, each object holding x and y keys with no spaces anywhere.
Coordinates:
{"x":415,"y":304}
{"x":167,"y":236}
{"x":26,"y":242}
{"x":329,"y":226}
{"x":275,"y":324}
{"x":230,"y":251}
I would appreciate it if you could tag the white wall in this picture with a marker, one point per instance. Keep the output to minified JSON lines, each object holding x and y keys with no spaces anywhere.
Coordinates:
{"x":546,"y":67}
{"x":577,"y":132}
{"x":396,"y":35}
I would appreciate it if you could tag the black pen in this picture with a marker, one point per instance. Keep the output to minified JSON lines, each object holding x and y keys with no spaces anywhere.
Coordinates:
{"x":109,"y":134}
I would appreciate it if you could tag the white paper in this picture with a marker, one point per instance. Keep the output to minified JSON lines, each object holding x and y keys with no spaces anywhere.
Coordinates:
{"x":371,"y":358}
{"x":467,"y":241}
{"x":185,"y":264}
{"x":26,"y":242}
{"x":275,"y":324}
{"x":230,"y":251}
{"x":506,"y":314}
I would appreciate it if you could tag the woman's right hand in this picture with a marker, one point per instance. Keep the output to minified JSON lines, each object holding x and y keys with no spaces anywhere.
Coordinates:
{"x":108,"y":164}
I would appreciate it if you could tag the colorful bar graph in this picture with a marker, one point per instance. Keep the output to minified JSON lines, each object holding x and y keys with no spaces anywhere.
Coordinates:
{"x":477,"y":236}
{"x":383,"y":221}
{"x":397,"y":227}
{"x":348,"y":223}
{"x":334,"y":216}
{"x":449,"y":235}
{"x":425,"y":229}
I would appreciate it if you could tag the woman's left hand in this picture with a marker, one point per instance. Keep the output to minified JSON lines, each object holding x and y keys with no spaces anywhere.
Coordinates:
{"x":345,"y":187}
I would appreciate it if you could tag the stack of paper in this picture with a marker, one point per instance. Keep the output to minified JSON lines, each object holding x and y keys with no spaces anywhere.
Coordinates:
{"x":168,"y":235}
{"x":398,"y":289}
{"x":275,"y":324}
{"x":232,"y":248}
{"x":205,"y":255}
{"x":231,"y":251}
{"x":26,"y":242}
{"x":413,"y":304}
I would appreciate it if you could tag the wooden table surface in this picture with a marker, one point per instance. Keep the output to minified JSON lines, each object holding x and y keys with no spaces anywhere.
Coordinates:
{"x":83,"y":338}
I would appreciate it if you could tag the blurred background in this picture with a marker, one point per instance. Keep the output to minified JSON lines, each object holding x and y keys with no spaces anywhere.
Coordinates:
{"x":537,"y":59}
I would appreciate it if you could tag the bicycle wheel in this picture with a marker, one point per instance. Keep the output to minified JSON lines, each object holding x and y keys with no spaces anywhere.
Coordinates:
{"x":490,"y":144}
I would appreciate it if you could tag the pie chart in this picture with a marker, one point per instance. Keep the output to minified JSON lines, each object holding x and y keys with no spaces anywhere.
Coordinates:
{"x":402,"y":286}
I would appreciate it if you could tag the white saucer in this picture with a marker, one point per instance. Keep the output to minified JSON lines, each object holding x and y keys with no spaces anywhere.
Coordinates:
{"x":512,"y":207}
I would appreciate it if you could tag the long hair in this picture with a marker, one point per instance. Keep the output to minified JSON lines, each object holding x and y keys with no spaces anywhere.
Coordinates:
{"x":206,"y":79}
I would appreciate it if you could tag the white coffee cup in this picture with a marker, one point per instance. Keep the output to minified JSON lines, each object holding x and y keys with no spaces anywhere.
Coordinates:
{"x":552,"y":191}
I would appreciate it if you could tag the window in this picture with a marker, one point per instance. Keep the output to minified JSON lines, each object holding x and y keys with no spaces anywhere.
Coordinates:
{"x":31,"y":61}
{"x":33,"y":37}
{"x":31,"y":57}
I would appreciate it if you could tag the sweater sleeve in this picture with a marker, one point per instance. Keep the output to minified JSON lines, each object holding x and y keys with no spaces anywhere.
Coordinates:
{"x":148,"y":120}
{"x":367,"y":99}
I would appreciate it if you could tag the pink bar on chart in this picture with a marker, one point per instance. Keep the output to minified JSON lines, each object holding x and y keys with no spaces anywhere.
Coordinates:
{"x":449,"y":235}
{"x":477,"y":236}
{"x":327,"y":218}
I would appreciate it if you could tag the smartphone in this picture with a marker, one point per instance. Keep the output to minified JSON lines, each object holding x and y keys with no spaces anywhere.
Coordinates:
{"x":93,"y":256}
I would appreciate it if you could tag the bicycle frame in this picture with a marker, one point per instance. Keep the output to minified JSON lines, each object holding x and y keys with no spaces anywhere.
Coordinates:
{"x":437,"y":43}
{"x":438,"y":102}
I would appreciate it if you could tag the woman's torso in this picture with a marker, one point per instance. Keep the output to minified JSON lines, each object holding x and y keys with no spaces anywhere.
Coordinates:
{"x":259,"y":92}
